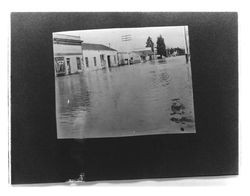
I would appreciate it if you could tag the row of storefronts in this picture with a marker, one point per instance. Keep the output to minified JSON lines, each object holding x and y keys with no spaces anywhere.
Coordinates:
{"x":71,"y":55}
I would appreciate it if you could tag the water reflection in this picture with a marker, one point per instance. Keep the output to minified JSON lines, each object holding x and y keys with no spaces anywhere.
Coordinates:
{"x":147,"y":98}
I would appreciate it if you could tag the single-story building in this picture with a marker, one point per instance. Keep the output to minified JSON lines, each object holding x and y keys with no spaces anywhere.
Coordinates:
{"x":67,"y":54}
{"x":98,"y":56}
{"x":125,"y":58}
{"x":145,"y":53}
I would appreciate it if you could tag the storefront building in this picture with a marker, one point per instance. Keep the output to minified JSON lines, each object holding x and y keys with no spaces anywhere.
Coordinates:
{"x":98,"y":56}
{"x":67,"y":54}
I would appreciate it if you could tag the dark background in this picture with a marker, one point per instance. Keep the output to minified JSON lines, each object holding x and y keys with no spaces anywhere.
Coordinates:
{"x":37,"y":156}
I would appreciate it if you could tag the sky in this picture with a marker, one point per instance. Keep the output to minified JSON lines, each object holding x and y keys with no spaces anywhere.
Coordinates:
{"x":173,"y":37}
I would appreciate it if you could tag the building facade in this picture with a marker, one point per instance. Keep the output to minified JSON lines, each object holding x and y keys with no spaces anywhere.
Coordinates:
{"x":67,"y":54}
{"x":97,"y":56}
{"x":126,"y":58}
{"x":145,"y":54}
{"x":123,"y":58}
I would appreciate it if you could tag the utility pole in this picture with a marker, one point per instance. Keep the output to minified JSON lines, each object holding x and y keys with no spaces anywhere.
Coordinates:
{"x":126,"y":39}
{"x":186,"y":43}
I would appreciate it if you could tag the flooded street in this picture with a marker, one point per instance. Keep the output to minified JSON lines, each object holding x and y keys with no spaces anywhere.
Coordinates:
{"x":147,"y":98}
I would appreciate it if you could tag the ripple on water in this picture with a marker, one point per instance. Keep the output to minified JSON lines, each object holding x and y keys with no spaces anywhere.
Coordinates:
{"x":137,"y":97}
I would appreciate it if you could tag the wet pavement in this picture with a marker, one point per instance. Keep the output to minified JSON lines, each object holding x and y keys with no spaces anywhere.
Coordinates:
{"x":147,"y":98}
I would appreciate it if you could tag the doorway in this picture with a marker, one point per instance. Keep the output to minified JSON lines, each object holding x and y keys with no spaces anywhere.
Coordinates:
{"x":109,"y":63}
{"x":103,"y":62}
{"x":68,"y":66}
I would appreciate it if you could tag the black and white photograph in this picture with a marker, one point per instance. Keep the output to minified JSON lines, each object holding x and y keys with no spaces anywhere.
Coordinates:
{"x":123,"y":97}
{"x":123,"y":82}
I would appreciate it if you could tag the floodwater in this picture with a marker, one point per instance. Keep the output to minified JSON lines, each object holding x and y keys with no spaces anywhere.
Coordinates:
{"x":148,"y":98}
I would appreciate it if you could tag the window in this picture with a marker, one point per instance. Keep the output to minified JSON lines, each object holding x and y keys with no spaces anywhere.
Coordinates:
{"x":87,"y":61}
{"x":78,"y":62}
{"x":94,"y":61}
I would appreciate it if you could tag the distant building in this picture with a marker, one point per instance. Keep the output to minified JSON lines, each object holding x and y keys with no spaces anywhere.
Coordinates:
{"x":97,"y":56}
{"x":135,"y":57}
{"x":175,"y":52}
{"x":125,"y":58}
{"x":145,"y":53}
{"x":180,"y":51}
{"x":67,"y":54}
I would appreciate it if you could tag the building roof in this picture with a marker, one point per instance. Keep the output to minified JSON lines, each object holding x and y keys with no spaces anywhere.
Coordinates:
{"x":64,"y":36}
{"x":66,"y":39}
{"x":142,"y":49}
{"x":89,"y":46}
{"x":144,"y":52}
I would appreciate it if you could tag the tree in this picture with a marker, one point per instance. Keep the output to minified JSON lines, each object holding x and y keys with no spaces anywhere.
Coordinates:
{"x":161,"y":47}
{"x":150,"y":43}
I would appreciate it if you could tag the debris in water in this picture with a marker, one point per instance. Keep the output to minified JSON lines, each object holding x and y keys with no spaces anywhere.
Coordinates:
{"x":182,"y":119}
{"x":178,"y":111}
{"x":177,"y":107}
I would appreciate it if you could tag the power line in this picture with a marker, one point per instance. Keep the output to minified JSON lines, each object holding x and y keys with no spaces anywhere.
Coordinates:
{"x":127,"y":37}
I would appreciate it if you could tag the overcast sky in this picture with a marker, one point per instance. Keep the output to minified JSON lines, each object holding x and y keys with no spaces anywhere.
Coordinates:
{"x":173,"y":37}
